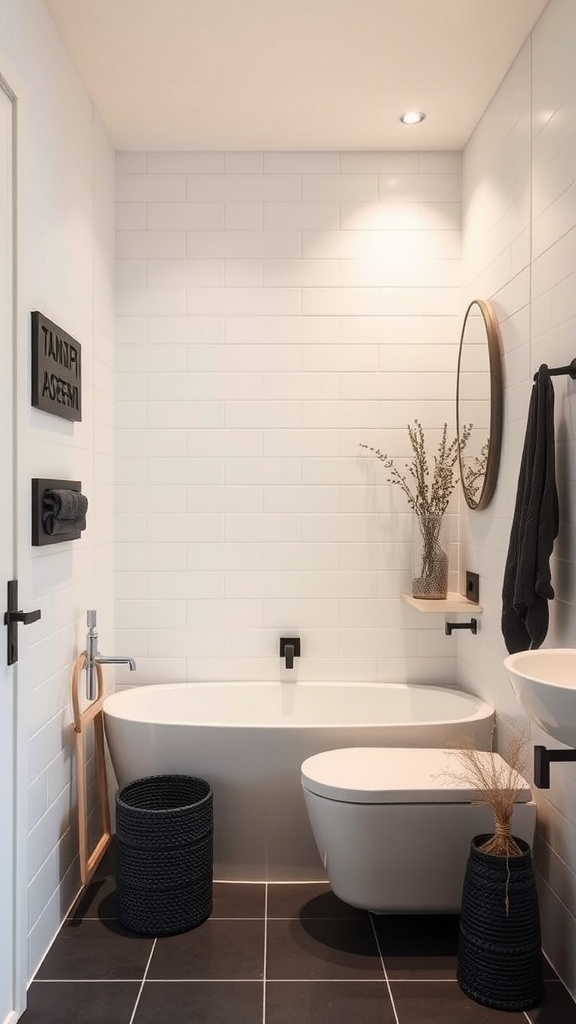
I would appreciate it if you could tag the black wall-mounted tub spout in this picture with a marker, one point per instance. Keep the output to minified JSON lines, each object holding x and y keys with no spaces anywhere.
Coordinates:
{"x":289,"y":649}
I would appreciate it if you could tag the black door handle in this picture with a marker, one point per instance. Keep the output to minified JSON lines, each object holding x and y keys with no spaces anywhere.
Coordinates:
{"x":24,"y":617}
{"x":11,"y":619}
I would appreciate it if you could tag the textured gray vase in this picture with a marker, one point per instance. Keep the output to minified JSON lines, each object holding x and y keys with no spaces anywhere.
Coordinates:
{"x":499,"y":955}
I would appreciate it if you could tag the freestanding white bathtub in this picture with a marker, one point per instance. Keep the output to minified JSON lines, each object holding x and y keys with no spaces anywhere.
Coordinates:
{"x":248,"y":741}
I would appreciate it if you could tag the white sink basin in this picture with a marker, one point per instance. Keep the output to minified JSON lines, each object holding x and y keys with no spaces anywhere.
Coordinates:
{"x":545,"y":683}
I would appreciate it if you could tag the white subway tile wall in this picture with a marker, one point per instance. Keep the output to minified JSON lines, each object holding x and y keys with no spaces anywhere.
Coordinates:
{"x":275,"y":310}
{"x":519,"y":250}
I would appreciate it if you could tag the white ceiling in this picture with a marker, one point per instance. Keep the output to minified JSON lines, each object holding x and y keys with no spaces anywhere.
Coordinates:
{"x":292,"y":74}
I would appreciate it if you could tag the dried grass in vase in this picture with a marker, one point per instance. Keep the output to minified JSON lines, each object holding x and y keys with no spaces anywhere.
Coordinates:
{"x":500,"y":783}
{"x":426,"y":489}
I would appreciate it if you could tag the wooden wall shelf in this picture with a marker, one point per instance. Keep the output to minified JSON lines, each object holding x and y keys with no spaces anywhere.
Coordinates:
{"x":453,"y":602}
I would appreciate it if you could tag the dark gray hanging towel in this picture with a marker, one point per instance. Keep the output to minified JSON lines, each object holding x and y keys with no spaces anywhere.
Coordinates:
{"x":527,"y":588}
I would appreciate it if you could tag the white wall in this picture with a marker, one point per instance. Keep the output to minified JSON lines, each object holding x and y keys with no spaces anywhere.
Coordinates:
{"x":519,"y":249}
{"x":65,"y":181}
{"x":275,"y":310}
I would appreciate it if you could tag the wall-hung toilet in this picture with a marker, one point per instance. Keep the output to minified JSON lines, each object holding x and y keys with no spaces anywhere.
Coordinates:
{"x":393,"y":834}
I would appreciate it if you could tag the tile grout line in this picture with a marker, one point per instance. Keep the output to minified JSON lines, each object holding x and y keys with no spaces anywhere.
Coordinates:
{"x":209,"y":979}
{"x":149,"y":981}
{"x":141,"y":989}
{"x":387,"y":980}
{"x":86,"y":981}
{"x":342,"y":981}
{"x":264,"y":964}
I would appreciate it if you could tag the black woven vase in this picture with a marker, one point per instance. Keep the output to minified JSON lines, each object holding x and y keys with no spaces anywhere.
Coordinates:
{"x":164,"y":854}
{"x":499,"y":957}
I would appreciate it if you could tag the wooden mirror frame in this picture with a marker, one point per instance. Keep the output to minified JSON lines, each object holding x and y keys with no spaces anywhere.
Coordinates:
{"x":495,"y":366}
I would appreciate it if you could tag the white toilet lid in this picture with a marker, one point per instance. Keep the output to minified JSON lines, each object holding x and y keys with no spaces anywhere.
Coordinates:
{"x":390,"y":775}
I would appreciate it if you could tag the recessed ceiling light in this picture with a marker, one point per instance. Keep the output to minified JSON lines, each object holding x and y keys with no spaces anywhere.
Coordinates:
{"x":412,"y":117}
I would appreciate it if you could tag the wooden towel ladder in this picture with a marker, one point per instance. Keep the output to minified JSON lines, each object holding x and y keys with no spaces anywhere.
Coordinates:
{"x":93,"y":713}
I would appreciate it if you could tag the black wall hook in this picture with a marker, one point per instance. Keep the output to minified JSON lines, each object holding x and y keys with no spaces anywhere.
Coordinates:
{"x":472,"y":626}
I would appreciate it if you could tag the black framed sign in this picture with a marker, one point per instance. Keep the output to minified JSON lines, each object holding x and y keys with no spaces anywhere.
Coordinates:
{"x":56,"y":369}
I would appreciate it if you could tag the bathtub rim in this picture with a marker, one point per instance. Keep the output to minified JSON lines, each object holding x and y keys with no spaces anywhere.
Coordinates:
{"x":482,"y":711}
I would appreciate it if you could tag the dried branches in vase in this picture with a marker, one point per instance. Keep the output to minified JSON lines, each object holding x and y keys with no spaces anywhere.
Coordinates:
{"x":427,"y":492}
{"x":500,"y":783}
{"x":499,"y":956}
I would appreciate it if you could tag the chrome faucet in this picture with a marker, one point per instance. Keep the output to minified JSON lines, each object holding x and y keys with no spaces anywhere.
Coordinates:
{"x":93,"y":657}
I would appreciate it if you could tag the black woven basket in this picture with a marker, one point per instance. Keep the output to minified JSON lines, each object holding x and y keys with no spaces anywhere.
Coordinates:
{"x":164,"y":832}
{"x":499,"y":957}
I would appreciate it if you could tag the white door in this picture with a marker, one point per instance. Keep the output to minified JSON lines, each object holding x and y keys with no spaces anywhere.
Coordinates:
{"x":11,"y":994}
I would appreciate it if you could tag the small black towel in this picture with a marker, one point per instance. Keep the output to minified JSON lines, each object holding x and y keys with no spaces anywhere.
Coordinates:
{"x":527,"y":584}
{"x":63,"y":511}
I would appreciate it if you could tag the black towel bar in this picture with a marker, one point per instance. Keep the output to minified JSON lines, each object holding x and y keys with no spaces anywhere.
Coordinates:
{"x":559,"y":371}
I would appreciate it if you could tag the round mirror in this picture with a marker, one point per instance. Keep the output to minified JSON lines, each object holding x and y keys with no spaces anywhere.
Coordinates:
{"x":479,"y":403}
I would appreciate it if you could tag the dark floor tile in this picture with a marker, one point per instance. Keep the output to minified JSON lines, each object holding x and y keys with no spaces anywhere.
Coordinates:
{"x":323,"y":949}
{"x":216,"y":950}
{"x":68,"y":1002}
{"x":417,"y":934}
{"x":328,"y":1002}
{"x":421,"y":968}
{"x":418,"y":946}
{"x":96,"y":950}
{"x":98,"y":898}
{"x":307,"y":899}
{"x":238,"y":899}
{"x":556,"y":1007}
{"x":548,"y":970}
{"x":443,"y":1002}
{"x":203,"y":1002}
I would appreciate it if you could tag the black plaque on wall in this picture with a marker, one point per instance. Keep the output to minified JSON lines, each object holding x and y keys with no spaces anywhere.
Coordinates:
{"x":56,"y":369}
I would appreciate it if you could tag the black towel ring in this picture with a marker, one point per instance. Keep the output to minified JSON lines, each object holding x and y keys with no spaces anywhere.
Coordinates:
{"x":558,"y":371}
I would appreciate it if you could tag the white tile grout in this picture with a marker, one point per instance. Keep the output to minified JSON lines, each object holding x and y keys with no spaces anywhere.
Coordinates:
{"x":264,"y":964}
{"x":86,"y":981}
{"x":384,"y":970}
{"x":143,"y":981}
